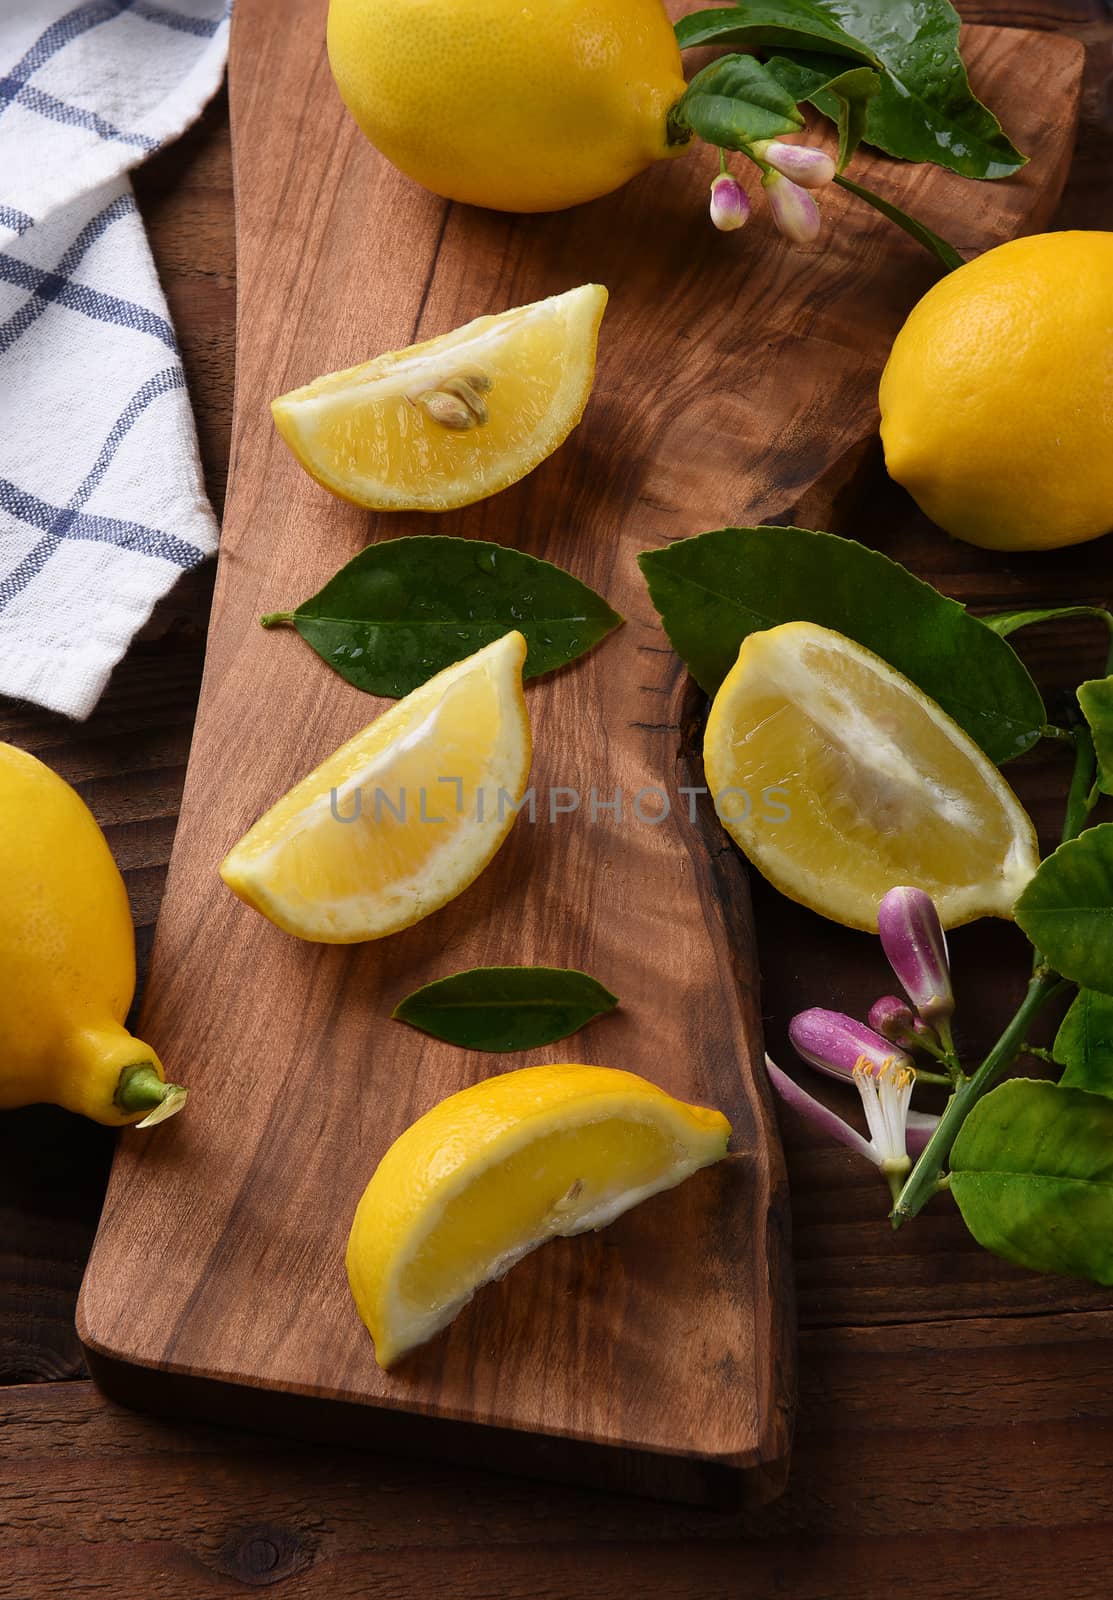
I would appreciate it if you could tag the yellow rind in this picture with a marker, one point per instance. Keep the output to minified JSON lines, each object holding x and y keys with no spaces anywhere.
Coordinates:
{"x":587,"y":1138}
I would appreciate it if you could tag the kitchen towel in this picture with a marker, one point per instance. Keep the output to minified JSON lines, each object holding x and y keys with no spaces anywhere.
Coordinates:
{"x":102,"y":504}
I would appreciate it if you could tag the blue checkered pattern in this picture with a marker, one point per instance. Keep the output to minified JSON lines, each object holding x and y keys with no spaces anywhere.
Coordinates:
{"x":101,"y":499}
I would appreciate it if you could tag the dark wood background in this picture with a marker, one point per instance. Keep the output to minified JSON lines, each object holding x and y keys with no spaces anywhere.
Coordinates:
{"x":956,"y":1415}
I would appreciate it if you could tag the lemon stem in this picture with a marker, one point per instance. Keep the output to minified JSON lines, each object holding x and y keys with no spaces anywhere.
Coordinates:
{"x":276,"y":619}
{"x":927,"y":1176}
{"x":139,"y":1088}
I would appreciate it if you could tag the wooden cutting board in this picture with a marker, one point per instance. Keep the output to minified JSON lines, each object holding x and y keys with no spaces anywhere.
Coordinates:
{"x":736,"y":380}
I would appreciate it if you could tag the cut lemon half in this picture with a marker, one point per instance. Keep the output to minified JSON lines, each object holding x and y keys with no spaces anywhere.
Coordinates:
{"x":841,"y":780}
{"x":494,"y":1171}
{"x":401,"y":818}
{"x":454,"y":419}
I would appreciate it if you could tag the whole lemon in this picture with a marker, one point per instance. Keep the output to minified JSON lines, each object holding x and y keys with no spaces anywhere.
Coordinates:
{"x":67,"y":958}
{"x":517,"y":107}
{"x":997,"y":400}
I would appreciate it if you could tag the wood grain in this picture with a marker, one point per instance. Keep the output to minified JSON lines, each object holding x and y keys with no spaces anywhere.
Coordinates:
{"x":213,"y":1512}
{"x":971,"y":1458}
{"x":299,"y":1082}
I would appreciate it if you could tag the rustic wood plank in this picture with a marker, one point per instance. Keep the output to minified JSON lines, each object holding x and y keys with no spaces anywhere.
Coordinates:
{"x":975,"y":1454}
{"x":493,"y":244}
{"x":142,"y":731}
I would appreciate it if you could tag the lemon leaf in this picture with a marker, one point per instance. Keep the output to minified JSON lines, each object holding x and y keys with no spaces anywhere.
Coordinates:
{"x":506,"y":1008}
{"x":805,"y":74}
{"x":1067,"y":909}
{"x":1096,"y":700}
{"x":1006,"y":622}
{"x":1084,"y":1043}
{"x":792,"y":22}
{"x":400,"y":611}
{"x":714,"y":590}
{"x":732,"y":103}
{"x":1032,"y":1172}
{"x":925,"y":109}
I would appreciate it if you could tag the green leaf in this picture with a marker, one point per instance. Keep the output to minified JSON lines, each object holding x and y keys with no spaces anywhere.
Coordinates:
{"x":506,"y":1008}
{"x":714,"y":590}
{"x":925,"y":109}
{"x":1032,"y":1172}
{"x":1096,"y":700}
{"x":402,"y":610}
{"x":791,"y":23}
{"x":940,"y":249}
{"x":1006,"y":622}
{"x":732,"y":103}
{"x":1084,"y":1043}
{"x":1067,"y":909}
{"x":806,"y":75}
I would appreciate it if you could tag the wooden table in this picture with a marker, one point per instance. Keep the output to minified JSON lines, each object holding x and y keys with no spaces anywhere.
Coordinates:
{"x":956,"y":1415}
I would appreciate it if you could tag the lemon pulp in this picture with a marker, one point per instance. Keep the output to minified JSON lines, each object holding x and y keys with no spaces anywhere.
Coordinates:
{"x":492,"y":1172}
{"x":401,"y":818}
{"x":368,"y":433}
{"x":841,"y":780}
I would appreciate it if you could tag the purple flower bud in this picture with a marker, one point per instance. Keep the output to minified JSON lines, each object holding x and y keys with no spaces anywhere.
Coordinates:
{"x":836,"y":1043}
{"x":805,"y":165}
{"x":893,"y":1018}
{"x":913,"y":939}
{"x":730,"y":204}
{"x":794,"y":211}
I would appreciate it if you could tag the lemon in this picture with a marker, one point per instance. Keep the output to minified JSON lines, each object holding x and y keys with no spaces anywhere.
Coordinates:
{"x":841,"y":780}
{"x":67,"y":959}
{"x":446,"y":422}
{"x":503,"y":105}
{"x":403,"y":817}
{"x":494,"y":1171}
{"x":997,"y":400}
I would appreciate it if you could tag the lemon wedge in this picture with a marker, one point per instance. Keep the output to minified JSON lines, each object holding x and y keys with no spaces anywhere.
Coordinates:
{"x":446,"y":422}
{"x":494,"y":1171}
{"x":403,"y":817}
{"x":840,"y":780}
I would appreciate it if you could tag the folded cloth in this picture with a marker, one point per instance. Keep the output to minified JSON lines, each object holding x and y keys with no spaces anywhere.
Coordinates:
{"x":102,"y":504}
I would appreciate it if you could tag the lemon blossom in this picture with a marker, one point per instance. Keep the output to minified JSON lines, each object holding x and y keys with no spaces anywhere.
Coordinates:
{"x":794,"y":211}
{"x":836,"y":1044}
{"x":803,"y":163}
{"x":893,"y":1018}
{"x":730,"y":204}
{"x":896,"y":1132}
{"x":913,"y":940}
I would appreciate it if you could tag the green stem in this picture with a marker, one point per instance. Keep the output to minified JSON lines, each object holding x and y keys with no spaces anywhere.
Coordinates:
{"x":927,"y":1176}
{"x":1080,"y":797}
{"x":139,"y":1088}
{"x":933,"y":1077}
{"x":276,"y":619}
{"x":943,"y":252}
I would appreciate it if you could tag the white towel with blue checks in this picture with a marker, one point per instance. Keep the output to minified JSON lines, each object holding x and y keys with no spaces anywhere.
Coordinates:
{"x":102,"y":504}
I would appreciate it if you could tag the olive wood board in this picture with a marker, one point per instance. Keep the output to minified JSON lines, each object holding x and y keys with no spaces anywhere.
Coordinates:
{"x":736,"y":381}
